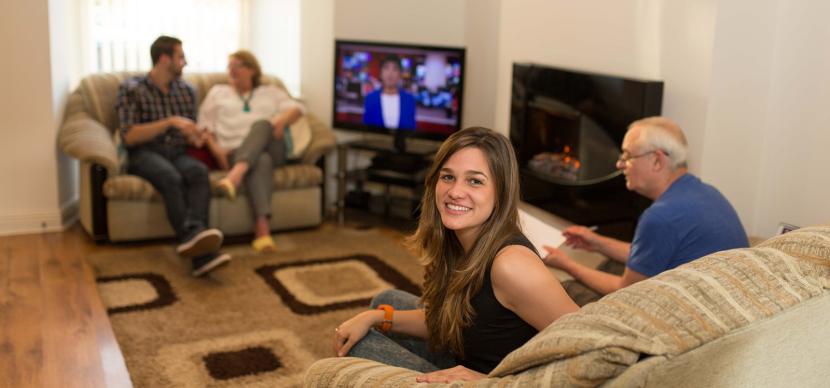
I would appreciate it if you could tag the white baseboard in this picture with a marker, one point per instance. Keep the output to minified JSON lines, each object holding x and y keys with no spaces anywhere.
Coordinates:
{"x":12,"y":224}
{"x":42,"y":222}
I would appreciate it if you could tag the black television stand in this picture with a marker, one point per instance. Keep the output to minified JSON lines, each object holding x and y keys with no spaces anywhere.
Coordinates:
{"x":389,"y":166}
{"x":400,"y":141}
{"x":399,"y":162}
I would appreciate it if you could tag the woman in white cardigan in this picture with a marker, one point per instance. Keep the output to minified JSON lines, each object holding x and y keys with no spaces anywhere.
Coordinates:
{"x":246,"y":124}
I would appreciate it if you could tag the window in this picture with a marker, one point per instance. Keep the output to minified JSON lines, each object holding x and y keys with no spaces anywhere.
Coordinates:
{"x":117,"y":34}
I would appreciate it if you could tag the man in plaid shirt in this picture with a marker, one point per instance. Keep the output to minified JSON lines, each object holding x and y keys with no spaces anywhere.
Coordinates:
{"x":157,"y":113}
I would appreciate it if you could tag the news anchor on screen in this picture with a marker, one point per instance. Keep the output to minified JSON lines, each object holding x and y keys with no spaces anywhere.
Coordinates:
{"x":390,"y":106}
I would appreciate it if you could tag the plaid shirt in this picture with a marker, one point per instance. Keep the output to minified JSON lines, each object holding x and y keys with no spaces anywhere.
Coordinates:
{"x":141,"y":101}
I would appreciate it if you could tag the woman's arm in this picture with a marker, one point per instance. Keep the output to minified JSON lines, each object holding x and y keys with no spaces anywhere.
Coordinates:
{"x":288,"y":109}
{"x":285,"y":118}
{"x":409,"y":322}
{"x":523,"y":284}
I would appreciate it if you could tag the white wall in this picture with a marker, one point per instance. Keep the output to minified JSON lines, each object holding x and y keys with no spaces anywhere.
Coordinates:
{"x":317,"y":56}
{"x":687,"y":31}
{"x":482,"y":30}
{"x":767,"y":136}
{"x":738,"y":104}
{"x":794,"y":184}
{"x":438,"y":22}
{"x":30,"y":198}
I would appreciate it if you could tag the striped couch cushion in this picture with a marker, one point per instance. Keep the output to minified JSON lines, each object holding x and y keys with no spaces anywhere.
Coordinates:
{"x":292,"y":176}
{"x":670,"y":314}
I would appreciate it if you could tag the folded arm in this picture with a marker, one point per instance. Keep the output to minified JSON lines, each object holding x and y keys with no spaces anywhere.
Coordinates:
{"x":408,"y":322}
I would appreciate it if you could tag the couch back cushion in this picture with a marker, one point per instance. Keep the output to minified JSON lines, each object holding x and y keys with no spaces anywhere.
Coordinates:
{"x":100,"y":91}
{"x":678,"y":310}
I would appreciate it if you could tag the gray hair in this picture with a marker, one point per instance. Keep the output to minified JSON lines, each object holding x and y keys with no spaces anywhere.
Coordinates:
{"x":660,"y":133}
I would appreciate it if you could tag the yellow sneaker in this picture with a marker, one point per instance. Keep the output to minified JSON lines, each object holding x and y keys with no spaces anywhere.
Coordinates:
{"x":226,"y":188}
{"x":264,"y":244}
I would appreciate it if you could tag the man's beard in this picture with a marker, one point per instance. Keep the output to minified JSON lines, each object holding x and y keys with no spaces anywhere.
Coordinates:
{"x":177,"y":72}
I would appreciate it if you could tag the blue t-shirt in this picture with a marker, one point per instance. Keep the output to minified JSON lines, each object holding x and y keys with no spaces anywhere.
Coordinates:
{"x":690,"y":220}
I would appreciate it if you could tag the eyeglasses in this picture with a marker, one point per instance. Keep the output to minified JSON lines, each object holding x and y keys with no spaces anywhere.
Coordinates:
{"x":624,"y":158}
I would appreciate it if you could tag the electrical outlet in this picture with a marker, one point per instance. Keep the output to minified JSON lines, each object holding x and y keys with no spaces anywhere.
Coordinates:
{"x":784,"y":227}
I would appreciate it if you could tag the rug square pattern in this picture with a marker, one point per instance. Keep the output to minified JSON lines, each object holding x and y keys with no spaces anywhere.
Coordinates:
{"x":261,"y":320}
{"x":316,"y":286}
{"x":187,"y":364}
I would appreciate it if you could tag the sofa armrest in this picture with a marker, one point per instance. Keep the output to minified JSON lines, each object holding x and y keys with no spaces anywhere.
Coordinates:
{"x":322,"y":141}
{"x":83,"y":138}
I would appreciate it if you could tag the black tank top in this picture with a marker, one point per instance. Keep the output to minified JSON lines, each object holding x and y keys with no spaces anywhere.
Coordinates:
{"x":495,"y":331}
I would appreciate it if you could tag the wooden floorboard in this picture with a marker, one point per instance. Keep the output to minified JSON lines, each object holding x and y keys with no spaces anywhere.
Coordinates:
{"x":54,"y":331}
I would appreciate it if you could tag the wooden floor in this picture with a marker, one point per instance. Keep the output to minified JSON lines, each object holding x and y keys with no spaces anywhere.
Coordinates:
{"x":54,"y":331}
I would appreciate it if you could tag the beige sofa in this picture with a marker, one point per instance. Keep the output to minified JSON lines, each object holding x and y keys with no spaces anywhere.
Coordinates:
{"x":122,"y":207}
{"x":754,"y":317}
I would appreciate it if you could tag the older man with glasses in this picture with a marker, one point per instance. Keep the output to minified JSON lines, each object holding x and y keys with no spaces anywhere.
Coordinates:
{"x":688,"y":219}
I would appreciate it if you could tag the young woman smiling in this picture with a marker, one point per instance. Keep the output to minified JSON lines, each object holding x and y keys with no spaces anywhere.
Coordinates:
{"x":486,"y":290}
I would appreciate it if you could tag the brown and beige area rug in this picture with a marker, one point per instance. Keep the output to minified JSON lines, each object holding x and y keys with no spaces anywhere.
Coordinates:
{"x":260,"y":321}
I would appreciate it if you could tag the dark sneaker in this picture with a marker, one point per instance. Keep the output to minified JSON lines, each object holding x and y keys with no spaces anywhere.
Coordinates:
{"x":201,"y":243}
{"x":206,"y":263}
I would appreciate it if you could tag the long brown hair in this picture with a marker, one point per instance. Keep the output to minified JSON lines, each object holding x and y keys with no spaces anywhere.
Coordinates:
{"x":249,"y":60}
{"x":452,"y":276}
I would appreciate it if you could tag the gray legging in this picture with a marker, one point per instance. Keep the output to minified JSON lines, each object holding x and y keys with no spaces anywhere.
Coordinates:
{"x":399,"y":350}
{"x":263,"y":153}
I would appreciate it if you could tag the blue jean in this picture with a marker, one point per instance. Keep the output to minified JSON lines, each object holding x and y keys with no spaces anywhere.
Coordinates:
{"x":400,"y":350}
{"x":182,"y":182}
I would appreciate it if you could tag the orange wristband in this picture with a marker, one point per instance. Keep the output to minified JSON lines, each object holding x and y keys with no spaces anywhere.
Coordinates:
{"x":386,"y":325}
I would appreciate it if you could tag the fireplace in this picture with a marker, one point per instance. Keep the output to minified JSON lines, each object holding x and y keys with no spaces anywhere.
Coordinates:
{"x":567,"y":128}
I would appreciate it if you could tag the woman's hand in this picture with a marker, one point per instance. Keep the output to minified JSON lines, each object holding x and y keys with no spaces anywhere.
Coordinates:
{"x":284,"y":119}
{"x":353,"y":330}
{"x":458,"y":373}
{"x":279,"y":127}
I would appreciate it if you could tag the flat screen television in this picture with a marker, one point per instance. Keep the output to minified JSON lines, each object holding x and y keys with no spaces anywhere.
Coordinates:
{"x":398,"y":89}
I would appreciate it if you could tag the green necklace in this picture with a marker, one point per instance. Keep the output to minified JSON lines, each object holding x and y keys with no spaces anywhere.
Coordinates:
{"x":246,"y":107}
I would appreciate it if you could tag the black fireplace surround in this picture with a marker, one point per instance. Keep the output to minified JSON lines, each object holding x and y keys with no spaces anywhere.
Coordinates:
{"x":567,"y":128}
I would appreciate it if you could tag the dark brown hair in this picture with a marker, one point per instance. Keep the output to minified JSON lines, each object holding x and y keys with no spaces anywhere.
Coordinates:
{"x":452,"y":276}
{"x":163,"y":45}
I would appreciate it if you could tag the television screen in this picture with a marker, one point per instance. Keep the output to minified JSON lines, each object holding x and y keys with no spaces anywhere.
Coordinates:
{"x":387,"y":87}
